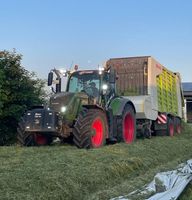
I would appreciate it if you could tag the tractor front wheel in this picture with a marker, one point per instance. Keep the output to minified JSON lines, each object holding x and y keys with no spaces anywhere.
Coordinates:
{"x":24,"y":138}
{"x":90,"y":129}
{"x":31,"y":139}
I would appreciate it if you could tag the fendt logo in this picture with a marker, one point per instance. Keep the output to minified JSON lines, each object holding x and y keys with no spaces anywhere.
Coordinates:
{"x":38,"y":115}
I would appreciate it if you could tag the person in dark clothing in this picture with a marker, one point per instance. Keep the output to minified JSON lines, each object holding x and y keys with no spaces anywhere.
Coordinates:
{"x":95,"y":91}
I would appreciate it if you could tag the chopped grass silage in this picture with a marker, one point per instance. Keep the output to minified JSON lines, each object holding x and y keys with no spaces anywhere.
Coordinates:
{"x":65,"y":172}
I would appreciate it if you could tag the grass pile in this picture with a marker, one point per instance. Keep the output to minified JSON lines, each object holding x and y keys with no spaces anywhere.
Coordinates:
{"x":65,"y":172}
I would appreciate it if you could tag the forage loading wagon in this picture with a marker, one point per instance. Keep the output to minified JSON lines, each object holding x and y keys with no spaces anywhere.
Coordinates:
{"x":154,"y":90}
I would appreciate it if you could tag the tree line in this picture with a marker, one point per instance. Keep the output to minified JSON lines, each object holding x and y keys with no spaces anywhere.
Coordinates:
{"x":19,"y":91}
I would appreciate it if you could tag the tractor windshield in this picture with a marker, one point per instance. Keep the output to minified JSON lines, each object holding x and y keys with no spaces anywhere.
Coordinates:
{"x":85,"y":81}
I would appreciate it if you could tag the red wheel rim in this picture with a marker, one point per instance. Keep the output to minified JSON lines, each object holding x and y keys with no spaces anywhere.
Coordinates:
{"x":179,"y":128}
{"x":40,"y":139}
{"x":128,"y":129}
{"x":97,"y":138}
{"x":171,"y":129}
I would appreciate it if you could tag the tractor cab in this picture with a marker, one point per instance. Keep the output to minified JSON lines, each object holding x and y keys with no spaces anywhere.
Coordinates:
{"x":87,"y":81}
{"x":97,"y":85}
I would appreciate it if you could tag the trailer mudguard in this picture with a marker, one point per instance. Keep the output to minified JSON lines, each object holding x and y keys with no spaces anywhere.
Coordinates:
{"x":117,"y":105}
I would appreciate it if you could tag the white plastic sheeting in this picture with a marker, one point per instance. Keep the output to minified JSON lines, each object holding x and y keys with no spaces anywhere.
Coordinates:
{"x":165,"y":186}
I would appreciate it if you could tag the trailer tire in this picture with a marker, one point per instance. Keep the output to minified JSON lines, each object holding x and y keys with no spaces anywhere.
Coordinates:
{"x":126,"y":125}
{"x":90,"y":129}
{"x":147,"y":133}
{"x":177,"y":125}
{"x":24,"y":138}
{"x":170,"y":127}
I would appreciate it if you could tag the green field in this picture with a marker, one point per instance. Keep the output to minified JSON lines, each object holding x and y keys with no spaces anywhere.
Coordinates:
{"x":65,"y":172}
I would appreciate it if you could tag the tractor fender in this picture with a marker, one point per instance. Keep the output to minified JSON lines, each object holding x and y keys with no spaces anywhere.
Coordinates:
{"x":94,"y":107}
{"x":118,"y":104}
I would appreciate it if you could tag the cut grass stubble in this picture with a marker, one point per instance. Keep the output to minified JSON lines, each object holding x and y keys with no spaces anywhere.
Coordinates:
{"x":65,"y":172}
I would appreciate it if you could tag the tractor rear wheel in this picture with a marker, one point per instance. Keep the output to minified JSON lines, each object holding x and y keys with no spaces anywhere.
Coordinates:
{"x":126,"y":125}
{"x":90,"y":129}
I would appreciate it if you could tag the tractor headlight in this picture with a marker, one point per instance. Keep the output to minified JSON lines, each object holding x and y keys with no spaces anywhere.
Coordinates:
{"x":63,"y":72}
{"x":63,"y":109}
{"x":101,"y":69}
{"x":104,"y":86}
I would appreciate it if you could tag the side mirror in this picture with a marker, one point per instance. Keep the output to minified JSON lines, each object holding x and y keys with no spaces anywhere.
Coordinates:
{"x":50,"y":78}
{"x":112,"y":76}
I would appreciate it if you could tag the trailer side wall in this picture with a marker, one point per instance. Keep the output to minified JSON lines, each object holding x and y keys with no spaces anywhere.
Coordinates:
{"x":141,"y":76}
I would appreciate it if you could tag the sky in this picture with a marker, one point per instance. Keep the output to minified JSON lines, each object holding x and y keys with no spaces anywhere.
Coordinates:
{"x":61,"y":33}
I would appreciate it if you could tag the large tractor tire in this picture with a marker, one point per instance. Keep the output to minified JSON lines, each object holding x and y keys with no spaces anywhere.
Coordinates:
{"x":90,"y":129}
{"x":170,"y":127}
{"x":28,"y":139}
{"x":126,"y":125}
{"x":24,"y":138}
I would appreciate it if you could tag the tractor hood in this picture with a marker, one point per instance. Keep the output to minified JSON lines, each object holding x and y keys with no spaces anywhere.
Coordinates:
{"x":60,"y":99}
{"x":67,"y":103}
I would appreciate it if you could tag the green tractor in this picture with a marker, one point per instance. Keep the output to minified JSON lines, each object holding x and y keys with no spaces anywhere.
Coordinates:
{"x":88,"y":113}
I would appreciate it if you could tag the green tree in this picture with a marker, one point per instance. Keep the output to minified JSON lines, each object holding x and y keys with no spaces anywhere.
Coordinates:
{"x":19,"y":91}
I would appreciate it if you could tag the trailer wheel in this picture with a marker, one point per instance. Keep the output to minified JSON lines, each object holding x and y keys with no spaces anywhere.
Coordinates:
{"x":170,"y":127}
{"x":147,"y":133}
{"x":177,"y":125}
{"x":90,"y":129}
{"x":24,"y":138}
{"x":126,"y":126}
